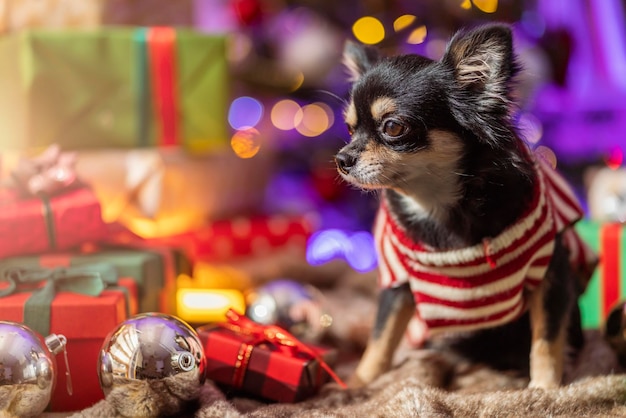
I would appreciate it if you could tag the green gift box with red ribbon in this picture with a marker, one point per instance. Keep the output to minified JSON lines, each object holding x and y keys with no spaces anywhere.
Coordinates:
{"x":608,"y":283}
{"x":114,"y":87}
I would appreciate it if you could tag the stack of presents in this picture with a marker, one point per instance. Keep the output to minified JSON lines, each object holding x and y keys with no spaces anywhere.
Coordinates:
{"x":119,"y":192}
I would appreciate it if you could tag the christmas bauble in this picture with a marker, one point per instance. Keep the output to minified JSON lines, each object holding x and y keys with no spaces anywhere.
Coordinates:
{"x":290,"y":305}
{"x":151,"y":364}
{"x":27,"y":371}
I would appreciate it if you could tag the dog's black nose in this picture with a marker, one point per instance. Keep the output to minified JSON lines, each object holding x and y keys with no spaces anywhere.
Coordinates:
{"x":344,"y":162}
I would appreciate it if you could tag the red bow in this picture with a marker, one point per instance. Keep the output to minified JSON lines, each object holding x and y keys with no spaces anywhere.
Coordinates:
{"x":271,"y":334}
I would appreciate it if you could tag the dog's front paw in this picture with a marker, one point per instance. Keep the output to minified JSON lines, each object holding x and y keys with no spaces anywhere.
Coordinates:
{"x":543,"y":383}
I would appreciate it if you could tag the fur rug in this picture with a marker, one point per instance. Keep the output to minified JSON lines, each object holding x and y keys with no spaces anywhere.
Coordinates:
{"x":426,"y":384}
{"x":422,"y":384}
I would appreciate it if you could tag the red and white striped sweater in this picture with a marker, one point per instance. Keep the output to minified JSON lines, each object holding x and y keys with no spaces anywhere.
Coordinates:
{"x":483,"y":285}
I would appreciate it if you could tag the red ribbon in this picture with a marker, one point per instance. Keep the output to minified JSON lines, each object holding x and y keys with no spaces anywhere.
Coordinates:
{"x":271,"y":334}
{"x":162,"y":52}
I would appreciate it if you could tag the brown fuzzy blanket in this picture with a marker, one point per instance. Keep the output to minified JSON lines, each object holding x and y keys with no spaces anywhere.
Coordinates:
{"x":423,"y":383}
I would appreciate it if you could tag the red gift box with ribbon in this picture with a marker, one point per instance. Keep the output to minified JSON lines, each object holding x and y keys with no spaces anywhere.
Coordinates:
{"x":39,"y":224}
{"x":82,"y":303}
{"x":264,"y":361}
{"x":46,"y":207}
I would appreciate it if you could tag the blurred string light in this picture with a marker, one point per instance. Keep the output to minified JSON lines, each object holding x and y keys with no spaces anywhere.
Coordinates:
{"x":403,"y":22}
{"x":368,"y":30}
{"x":530,"y":127}
{"x":417,"y":36}
{"x":245,"y":112}
{"x":487,"y":6}
{"x":246,"y":142}
{"x":316,"y":119}
{"x":309,"y":120}
{"x":615,"y":158}
{"x":286,"y":114}
{"x":357,"y":249}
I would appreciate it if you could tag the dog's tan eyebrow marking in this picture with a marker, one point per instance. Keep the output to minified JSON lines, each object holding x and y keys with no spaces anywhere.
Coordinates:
{"x":350,"y":115}
{"x":382,"y":106}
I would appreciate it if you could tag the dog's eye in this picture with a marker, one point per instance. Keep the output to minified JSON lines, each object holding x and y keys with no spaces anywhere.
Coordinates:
{"x":393,"y":128}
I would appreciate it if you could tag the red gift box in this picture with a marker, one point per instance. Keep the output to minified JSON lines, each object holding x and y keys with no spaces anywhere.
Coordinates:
{"x":85,"y":321}
{"x":234,"y":237}
{"x":37,"y":224}
{"x":264,"y":361}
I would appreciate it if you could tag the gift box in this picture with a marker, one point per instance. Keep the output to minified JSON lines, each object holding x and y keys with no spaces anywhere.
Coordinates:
{"x":264,"y":361}
{"x":608,"y":283}
{"x":153,"y":270}
{"x":39,"y":224}
{"x":85,"y":321}
{"x":241,"y":236}
{"x":114,"y":87}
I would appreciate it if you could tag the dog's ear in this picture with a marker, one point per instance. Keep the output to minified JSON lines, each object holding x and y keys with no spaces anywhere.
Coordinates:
{"x":482,"y":59}
{"x":484,"y":66}
{"x":359,"y":58}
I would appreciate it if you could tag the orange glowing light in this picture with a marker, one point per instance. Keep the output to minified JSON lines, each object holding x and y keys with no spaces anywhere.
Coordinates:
{"x":467,"y":4}
{"x":417,"y":36}
{"x":316,"y":118}
{"x":246,"y":143}
{"x":369,"y":30}
{"x":403,"y":22}
{"x":487,"y":6}
{"x":286,"y":114}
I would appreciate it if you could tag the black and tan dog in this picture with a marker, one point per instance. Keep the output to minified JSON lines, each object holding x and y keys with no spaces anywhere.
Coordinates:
{"x":473,"y":230}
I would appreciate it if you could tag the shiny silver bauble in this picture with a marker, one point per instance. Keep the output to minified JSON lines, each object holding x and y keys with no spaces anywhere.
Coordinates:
{"x":151,"y":364}
{"x":27,"y":371}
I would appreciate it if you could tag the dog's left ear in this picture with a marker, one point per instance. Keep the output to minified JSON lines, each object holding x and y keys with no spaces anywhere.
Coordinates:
{"x":359,"y":58}
{"x":482,"y":59}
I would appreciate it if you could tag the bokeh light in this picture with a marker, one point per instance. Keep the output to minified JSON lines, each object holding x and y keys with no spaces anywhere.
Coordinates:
{"x":361,"y":254}
{"x":615,"y":158}
{"x":530,"y":127}
{"x":467,"y":4}
{"x":246,"y":142}
{"x":315,"y":119}
{"x":403,"y":22}
{"x":487,"y":6}
{"x":547,"y":155}
{"x":417,"y":36}
{"x":357,"y":249}
{"x":368,"y":30}
{"x":245,"y":112}
{"x":286,"y":115}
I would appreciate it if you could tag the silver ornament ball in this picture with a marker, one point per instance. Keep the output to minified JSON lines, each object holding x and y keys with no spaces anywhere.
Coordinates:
{"x":151,"y":364}
{"x":27,"y":371}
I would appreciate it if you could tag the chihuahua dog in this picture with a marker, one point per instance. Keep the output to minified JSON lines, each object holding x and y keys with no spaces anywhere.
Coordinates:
{"x":474,"y":230}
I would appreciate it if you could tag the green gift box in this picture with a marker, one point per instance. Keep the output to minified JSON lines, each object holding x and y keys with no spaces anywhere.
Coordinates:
{"x":154,"y":271}
{"x":608,"y":283}
{"x":114,"y":88}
